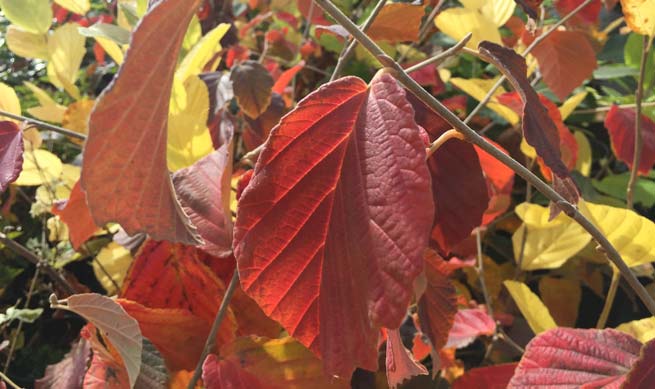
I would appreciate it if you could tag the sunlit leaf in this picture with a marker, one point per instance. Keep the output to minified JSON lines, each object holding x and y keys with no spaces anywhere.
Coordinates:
{"x":201,"y":53}
{"x":39,"y":167}
{"x":620,"y":123}
{"x":643,"y":330}
{"x":478,"y":88}
{"x":584,"y":161}
{"x":110,"y":267}
{"x":457,"y":22}
{"x":27,"y":44}
{"x":533,"y":310}
{"x":31,"y":15}
{"x":639,"y":15}
{"x":65,"y":51}
{"x":76,"y":117}
{"x":79,"y":7}
{"x":385,"y":27}
{"x":571,"y":104}
{"x":497,"y":11}
{"x":9,"y":101}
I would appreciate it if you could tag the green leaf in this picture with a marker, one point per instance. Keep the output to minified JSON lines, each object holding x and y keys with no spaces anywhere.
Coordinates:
{"x":608,"y":72}
{"x":24,"y":315}
{"x":632,"y":56}
{"x":31,"y":15}
{"x":104,"y":30}
{"x":615,"y":186}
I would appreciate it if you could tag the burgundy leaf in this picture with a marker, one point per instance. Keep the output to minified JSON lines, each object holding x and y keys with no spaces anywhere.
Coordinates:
{"x":489,"y":377}
{"x":11,"y":153}
{"x":620,"y":123}
{"x":642,"y":374}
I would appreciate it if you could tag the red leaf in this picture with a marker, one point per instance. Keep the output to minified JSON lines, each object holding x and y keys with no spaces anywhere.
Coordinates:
{"x":438,"y":304}
{"x":77,"y":217}
{"x":576,"y":357}
{"x":566,"y":59}
{"x":124,"y":173}
{"x":69,"y":372}
{"x":539,"y":129}
{"x":642,"y":374}
{"x":325,"y":207}
{"x":204,"y":192}
{"x":468,"y":325}
{"x":490,"y":377}
{"x":400,"y":363}
{"x":500,"y":180}
{"x":11,"y":153}
{"x":105,"y":374}
{"x":225,"y":374}
{"x":458,"y":186}
{"x":286,"y":77}
{"x":588,"y":14}
{"x":620,"y":123}
{"x":166,"y":275}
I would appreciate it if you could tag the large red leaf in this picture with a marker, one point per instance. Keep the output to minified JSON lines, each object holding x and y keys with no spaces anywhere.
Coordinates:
{"x":489,"y":377}
{"x":77,"y":217}
{"x":331,"y":228}
{"x":438,"y":304}
{"x":167,"y":275}
{"x":539,"y":129}
{"x":575,"y":357}
{"x":11,"y":153}
{"x":642,"y":374}
{"x":204,"y":192}
{"x":458,"y":185}
{"x":566,"y":59}
{"x":124,"y":173}
{"x":620,"y":123}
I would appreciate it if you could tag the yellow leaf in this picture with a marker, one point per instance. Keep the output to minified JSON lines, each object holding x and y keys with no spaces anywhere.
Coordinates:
{"x":631,"y":234}
{"x":31,"y":15}
{"x":112,"y":48}
{"x":48,"y":113}
{"x":562,"y":296}
{"x":111,"y":265}
{"x":76,"y":117}
{"x":583,"y":163}
{"x":188,"y":136}
{"x":497,"y":11}
{"x":640,"y":15}
{"x":39,"y":167}
{"x":194,"y":62}
{"x":79,"y":7}
{"x":66,"y":49}
{"x":478,"y":88}
{"x":643,"y":330}
{"x":527,"y":150}
{"x":193,"y":34}
{"x":571,"y":104}
{"x":547,"y":244}
{"x":9,"y":101}
{"x":457,"y":22}
{"x":57,"y":229}
{"x":27,"y":44}
{"x":41,"y":95}
{"x":533,"y":310}
{"x":57,"y":190}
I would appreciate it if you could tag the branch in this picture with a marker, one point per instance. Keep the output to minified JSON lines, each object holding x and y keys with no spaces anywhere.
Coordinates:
{"x":636,"y":159}
{"x":352,"y":43}
{"x":534,"y":43}
{"x":36,"y":261}
{"x":439,"y":58}
{"x":609,"y":299}
{"x":475,"y":138}
{"x":44,"y":125}
{"x":211,"y":339}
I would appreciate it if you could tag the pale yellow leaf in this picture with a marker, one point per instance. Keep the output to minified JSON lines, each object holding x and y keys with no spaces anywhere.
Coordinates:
{"x":66,"y":49}
{"x":30,"y":15}
{"x":41,"y":95}
{"x":112,"y":49}
{"x":46,"y":195}
{"x":76,"y":117}
{"x":533,"y":310}
{"x":497,"y":11}
{"x":9,"y":101}
{"x":48,"y":113}
{"x":203,"y":51}
{"x":571,"y":104}
{"x":584,"y":161}
{"x":640,"y":15}
{"x":27,"y":44}
{"x":79,"y":7}
{"x":643,"y":330}
{"x":188,"y":135}
{"x":111,"y":265}
{"x":39,"y":167}
{"x":57,"y":229}
{"x":478,"y":88}
{"x":631,"y":234}
{"x":548,"y":245}
{"x":457,"y":22}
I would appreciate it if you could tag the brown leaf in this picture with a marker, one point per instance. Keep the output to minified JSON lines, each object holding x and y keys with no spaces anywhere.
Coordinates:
{"x":124,"y":173}
{"x":387,"y":26}
{"x":252,"y":86}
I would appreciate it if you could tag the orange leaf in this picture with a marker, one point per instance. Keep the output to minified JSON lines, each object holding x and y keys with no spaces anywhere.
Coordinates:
{"x":124,"y":173}
{"x":77,"y":217}
{"x":387,"y":25}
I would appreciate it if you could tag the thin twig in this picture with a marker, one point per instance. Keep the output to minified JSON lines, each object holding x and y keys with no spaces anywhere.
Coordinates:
{"x":31,"y":257}
{"x":480,"y":270}
{"x":608,"y":107}
{"x":636,"y":160}
{"x":211,"y":339}
{"x":443,"y":138}
{"x":534,"y":43}
{"x":609,"y":300}
{"x":9,"y":381}
{"x":12,"y":347}
{"x":44,"y":125}
{"x":352,"y":43}
{"x":439,"y":58}
{"x":473,"y":137}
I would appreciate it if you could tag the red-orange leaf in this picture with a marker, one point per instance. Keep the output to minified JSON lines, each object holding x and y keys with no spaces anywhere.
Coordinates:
{"x":620,"y":123}
{"x":588,"y":14}
{"x":124,"y":173}
{"x":166,"y":275}
{"x":387,"y":26}
{"x":227,"y":374}
{"x":11,"y":153}
{"x":566,"y":59}
{"x":77,"y":217}
{"x":490,"y":377}
{"x":500,"y":180}
{"x":335,"y":219}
